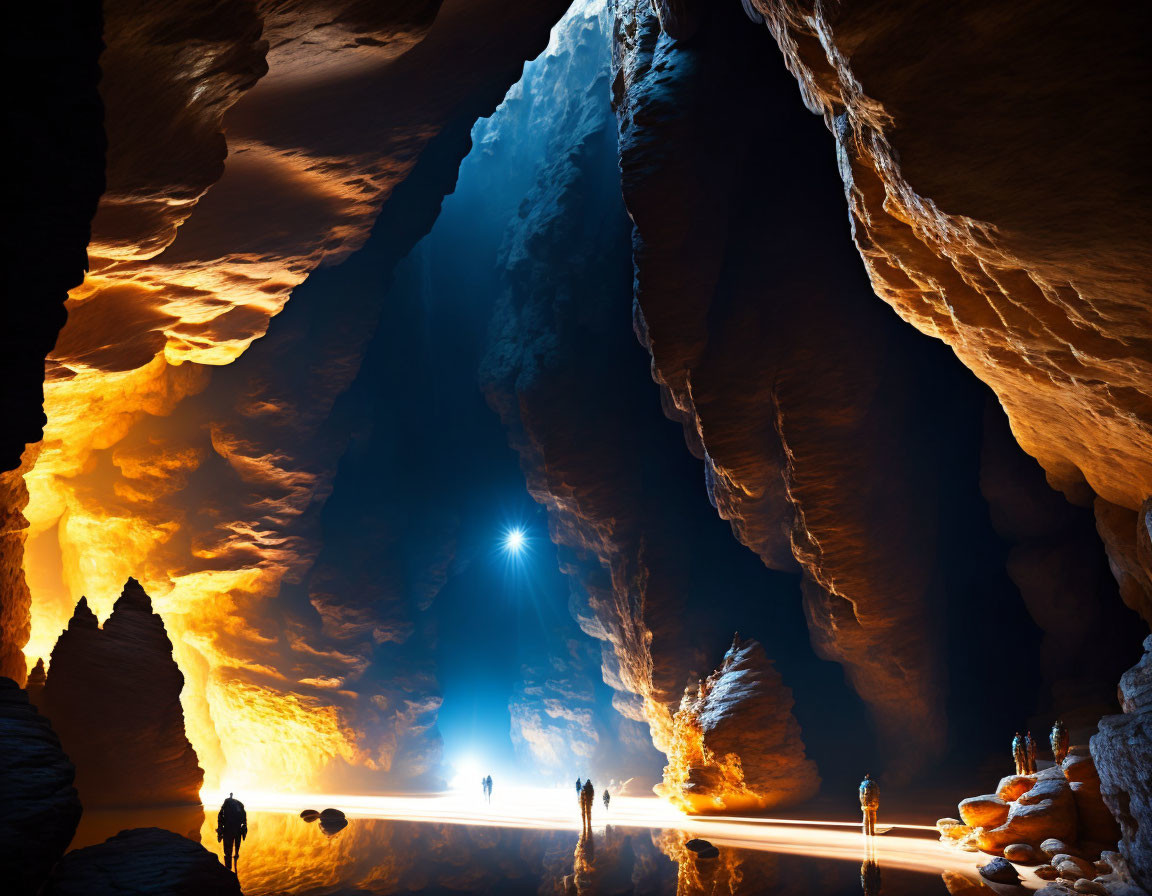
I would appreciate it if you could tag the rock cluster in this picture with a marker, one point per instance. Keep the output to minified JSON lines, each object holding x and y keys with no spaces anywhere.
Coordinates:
{"x":736,"y":746}
{"x":39,"y":809}
{"x":113,"y":696}
{"x":1057,"y":805}
{"x":142,"y":860}
{"x":1055,"y":820}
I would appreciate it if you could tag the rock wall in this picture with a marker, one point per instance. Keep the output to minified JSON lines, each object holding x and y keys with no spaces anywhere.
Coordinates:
{"x":998,"y":197}
{"x":826,"y":427}
{"x":113,"y":695}
{"x":1122,"y":750}
{"x":736,"y":746}
{"x":39,"y":809}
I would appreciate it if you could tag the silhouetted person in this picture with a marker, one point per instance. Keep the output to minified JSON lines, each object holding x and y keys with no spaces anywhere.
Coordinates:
{"x":1019,"y":754}
{"x":1059,"y":740}
{"x":587,"y":798}
{"x":607,"y":800}
{"x":579,"y":788}
{"x":231,"y":828}
{"x":488,"y":787}
{"x":1030,"y":753}
{"x":869,"y":803}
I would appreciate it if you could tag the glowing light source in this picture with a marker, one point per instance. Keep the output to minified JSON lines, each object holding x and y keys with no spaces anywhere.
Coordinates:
{"x":514,"y":541}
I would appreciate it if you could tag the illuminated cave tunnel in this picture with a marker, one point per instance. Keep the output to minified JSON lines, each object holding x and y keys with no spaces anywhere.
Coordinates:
{"x":357,"y":310}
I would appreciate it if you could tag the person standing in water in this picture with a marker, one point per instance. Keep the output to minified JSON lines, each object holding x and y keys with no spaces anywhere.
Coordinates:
{"x":869,"y":803}
{"x":231,"y":828}
{"x":587,"y":798}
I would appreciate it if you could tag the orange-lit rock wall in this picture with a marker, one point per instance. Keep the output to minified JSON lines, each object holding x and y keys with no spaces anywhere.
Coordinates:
{"x":998,"y":194}
{"x":247,"y":146}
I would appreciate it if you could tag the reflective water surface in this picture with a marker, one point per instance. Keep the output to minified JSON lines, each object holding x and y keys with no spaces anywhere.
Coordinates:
{"x":507,"y":854}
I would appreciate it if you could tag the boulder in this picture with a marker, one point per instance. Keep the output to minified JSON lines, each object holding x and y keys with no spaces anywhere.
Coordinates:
{"x":1054,"y":847}
{"x":1046,"y":872}
{"x":309,"y":814}
{"x":1012,"y":787}
{"x":952,"y":829}
{"x":1022,"y":854}
{"x":1047,"y":810}
{"x":1090,"y":886}
{"x":1073,"y":867}
{"x":696,"y":844}
{"x":331,"y":815}
{"x":1000,"y":871}
{"x":142,"y":860}
{"x":986,"y":811}
{"x":39,"y":809}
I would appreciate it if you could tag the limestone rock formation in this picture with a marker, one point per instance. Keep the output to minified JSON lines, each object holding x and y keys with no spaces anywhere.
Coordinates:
{"x":39,"y":809}
{"x":802,"y":394}
{"x":736,"y":746}
{"x":113,"y":695}
{"x":957,"y":166}
{"x":1122,"y":751}
{"x":142,"y":860}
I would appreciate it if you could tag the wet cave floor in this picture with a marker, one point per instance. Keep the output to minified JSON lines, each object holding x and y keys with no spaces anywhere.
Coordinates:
{"x":530,"y":842}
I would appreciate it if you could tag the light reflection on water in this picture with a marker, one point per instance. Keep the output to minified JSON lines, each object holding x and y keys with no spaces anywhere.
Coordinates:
{"x":284,"y":854}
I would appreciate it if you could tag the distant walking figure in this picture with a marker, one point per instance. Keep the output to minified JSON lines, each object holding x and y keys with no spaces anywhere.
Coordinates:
{"x":488,"y":788}
{"x":579,"y":788}
{"x":1059,"y":740}
{"x":607,"y":800}
{"x":1019,"y":754}
{"x":231,"y":828}
{"x":1030,"y":753}
{"x":869,"y":803}
{"x":587,"y":798}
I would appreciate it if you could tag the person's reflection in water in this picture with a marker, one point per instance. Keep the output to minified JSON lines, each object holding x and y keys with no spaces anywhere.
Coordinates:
{"x":870,"y":870}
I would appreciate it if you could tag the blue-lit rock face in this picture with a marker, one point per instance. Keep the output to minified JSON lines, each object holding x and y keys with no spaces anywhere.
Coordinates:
{"x":569,"y":382}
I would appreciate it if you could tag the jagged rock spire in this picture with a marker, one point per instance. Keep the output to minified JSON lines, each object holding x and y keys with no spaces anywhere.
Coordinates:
{"x":83,"y":617}
{"x":113,"y":695}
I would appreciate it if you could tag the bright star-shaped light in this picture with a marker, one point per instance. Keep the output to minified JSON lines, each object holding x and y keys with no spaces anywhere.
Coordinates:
{"x":514,"y":541}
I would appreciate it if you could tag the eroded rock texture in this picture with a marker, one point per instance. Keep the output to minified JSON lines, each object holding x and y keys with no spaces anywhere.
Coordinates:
{"x":39,"y":809}
{"x":999,"y":198}
{"x":1122,"y":750}
{"x":736,"y":746}
{"x":142,"y":860}
{"x":813,"y":407}
{"x":113,"y":695}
